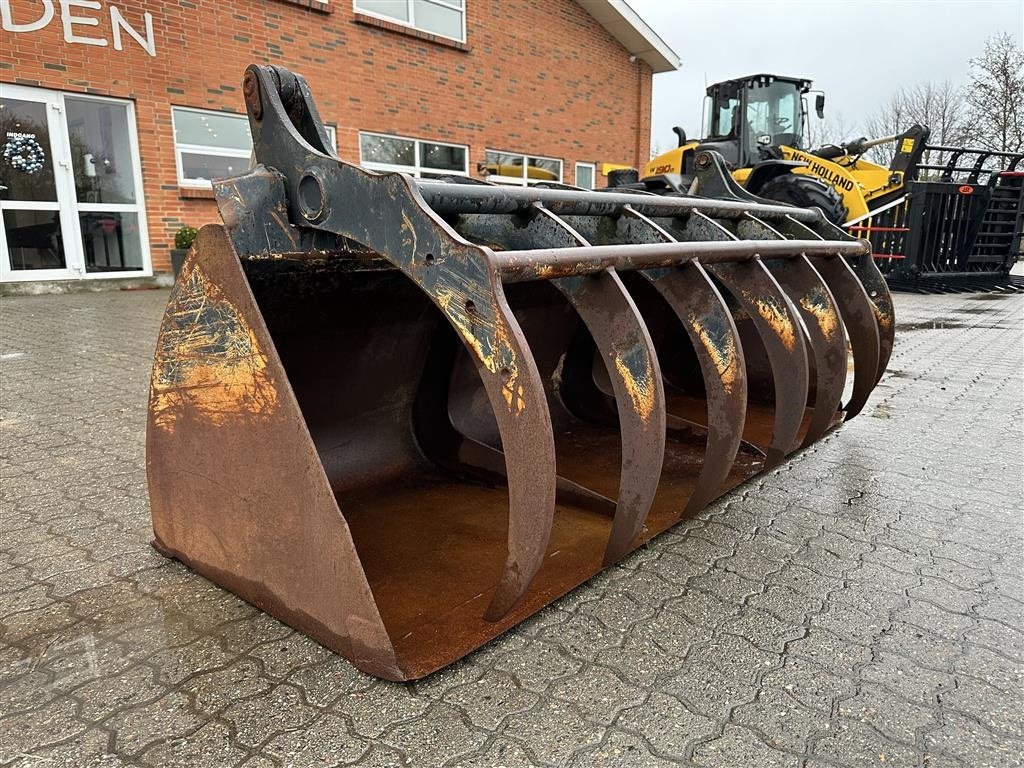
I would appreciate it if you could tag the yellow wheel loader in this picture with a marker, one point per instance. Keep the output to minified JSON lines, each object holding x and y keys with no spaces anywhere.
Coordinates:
{"x":929,"y":224}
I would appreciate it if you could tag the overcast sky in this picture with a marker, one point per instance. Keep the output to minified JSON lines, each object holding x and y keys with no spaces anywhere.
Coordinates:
{"x":858,"y":52}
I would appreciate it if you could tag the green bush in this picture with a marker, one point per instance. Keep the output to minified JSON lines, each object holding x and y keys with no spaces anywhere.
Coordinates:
{"x":183,"y":237}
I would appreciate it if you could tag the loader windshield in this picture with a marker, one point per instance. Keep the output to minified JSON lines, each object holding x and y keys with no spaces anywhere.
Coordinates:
{"x":775,"y":110}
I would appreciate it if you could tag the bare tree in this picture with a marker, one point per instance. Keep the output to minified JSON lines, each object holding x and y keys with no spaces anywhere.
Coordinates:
{"x":833,"y":130}
{"x":939,"y":106}
{"x":996,"y":95}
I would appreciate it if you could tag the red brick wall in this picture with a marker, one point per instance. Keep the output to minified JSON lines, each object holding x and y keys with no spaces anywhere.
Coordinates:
{"x":535,"y":76}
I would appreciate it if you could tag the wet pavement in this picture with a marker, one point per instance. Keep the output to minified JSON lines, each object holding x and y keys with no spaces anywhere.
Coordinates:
{"x":861,"y":605}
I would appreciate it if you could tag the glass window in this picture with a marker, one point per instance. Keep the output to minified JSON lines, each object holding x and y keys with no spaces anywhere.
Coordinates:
{"x":585,"y":173}
{"x":775,"y":110}
{"x":509,"y":168}
{"x":34,"y":239}
{"x":111,"y":241}
{"x":26,"y":168}
{"x":100,"y":151}
{"x":210,"y":145}
{"x":380,"y":152}
{"x":446,"y":18}
{"x":386,"y":150}
{"x":213,"y":145}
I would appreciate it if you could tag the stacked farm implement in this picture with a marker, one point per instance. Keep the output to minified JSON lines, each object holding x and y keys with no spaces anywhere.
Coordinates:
{"x":957,"y":227}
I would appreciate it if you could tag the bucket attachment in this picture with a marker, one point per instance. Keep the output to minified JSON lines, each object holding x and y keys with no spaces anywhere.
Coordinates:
{"x":402,"y":415}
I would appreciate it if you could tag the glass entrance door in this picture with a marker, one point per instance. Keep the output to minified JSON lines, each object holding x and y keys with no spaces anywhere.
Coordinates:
{"x":35,"y":220}
{"x":70,"y":187}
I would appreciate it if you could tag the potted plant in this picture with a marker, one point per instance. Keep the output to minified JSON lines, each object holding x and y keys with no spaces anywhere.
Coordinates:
{"x":182,"y":242}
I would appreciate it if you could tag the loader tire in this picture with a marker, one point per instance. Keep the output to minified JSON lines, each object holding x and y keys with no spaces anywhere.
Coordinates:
{"x":806,"y":192}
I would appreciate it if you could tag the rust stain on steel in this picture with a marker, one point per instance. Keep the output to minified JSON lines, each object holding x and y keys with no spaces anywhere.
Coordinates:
{"x":777,"y":317}
{"x":209,"y":362}
{"x":817,"y":303}
{"x":884,"y":318}
{"x":641,"y":387}
{"x":489,"y":340}
{"x":721,"y":348}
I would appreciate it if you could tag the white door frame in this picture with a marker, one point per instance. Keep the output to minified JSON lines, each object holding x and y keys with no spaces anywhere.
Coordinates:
{"x":67,"y":202}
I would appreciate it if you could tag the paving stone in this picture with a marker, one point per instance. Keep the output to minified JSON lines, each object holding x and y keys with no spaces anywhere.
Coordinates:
{"x":210,"y":745}
{"x":899,"y":721}
{"x":785,"y":723}
{"x":865,"y":599}
{"x":107,"y":695}
{"x":667,"y":725}
{"x":440,"y":735}
{"x":535,"y":665}
{"x":500,"y":754}
{"x":488,"y":700}
{"x":168,"y":717}
{"x":213,"y":691}
{"x":857,"y":744}
{"x":619,"y":750}
{"x":258,"y":718}
{"x":23,"y":733}
{"x":552,"y":730}
{"x":373,"y":709}
{"x":327,"y":742}
{"x":738,"y":746}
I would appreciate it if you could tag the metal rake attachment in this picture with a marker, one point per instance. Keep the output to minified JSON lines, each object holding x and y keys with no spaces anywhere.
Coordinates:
{"x":402,"y":415}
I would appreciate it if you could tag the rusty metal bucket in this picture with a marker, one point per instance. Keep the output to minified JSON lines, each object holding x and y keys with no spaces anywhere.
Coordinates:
{"x":402,"y":415}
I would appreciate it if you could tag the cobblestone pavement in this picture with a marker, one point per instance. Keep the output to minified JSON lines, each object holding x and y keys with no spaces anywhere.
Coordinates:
{"x":862,"y":605}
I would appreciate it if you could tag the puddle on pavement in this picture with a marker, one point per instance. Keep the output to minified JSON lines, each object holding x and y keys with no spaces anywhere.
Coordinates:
{"x":991,"y":296}
{"x":881,"y":411}
{"x":938,"y":324}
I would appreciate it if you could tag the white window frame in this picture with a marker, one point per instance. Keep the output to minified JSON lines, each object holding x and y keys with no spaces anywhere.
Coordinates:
{"x":418,"y":169}
{"x":524,"y":180}
{"x":593,"y":174}
{"x":411,"y":23}
{"x":206,"y":149}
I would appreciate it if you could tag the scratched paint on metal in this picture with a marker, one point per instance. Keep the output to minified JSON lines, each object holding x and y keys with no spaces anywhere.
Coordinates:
{"x":634,"y":366}
{"x":776,"y":316}
{"x":817,"y":303}
{"x":490,"y":342}
{"x":208,"y":362}
{"x":720,"y":345}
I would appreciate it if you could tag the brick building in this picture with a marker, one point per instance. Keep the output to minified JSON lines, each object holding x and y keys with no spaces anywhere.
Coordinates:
{"x":115,"y":115}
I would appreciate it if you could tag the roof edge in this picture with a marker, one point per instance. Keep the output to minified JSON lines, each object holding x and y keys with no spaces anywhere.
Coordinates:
{"x":635,"y":35}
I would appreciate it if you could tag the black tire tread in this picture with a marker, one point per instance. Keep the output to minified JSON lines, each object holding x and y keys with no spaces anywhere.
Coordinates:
{"x":806,"y":192}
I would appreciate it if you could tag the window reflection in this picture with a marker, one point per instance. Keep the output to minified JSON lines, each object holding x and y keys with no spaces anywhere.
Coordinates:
{"x":111,"y":241}
{"x":100,"y":151}
{"x":26,"y":168}
{"x":34,"y":239}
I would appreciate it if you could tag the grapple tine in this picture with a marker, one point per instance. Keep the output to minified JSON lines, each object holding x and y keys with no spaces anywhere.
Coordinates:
{"x":712,"y":331}
{"x":471,"y":298}
{"x":696,"y":301}
{"x":822,"y":323}
{"x":862,"y":318}
{"x":821,"y":326}
{"x":625,"y":346}
{"x":778,"y":325}
{"x":628,"y":353}
{"x":877,"y":290}
{"x":861,"y":326}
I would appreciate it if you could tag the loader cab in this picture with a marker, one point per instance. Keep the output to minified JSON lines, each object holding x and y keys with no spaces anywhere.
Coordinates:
{"x":749,"y":115}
